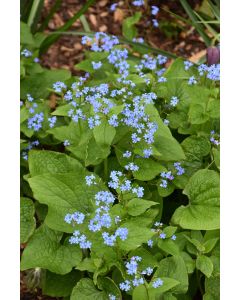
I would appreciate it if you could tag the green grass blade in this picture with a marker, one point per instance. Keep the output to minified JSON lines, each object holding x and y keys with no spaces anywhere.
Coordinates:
{"x":34,"y":14}
{"x":53,"y":38}
{"x":199,"y":27}
{"x":209,"y":28}
{"x":85,"y":24}
{"x":50,"y":15}
{"x":189,"y":22}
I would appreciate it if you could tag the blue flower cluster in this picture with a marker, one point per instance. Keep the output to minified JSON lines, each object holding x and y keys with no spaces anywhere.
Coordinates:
{"x":168,"y":176}
{"x":121,"y":183}
{"x":30,"y":146}
{"x":26,"y":53}
{"x":136,"y":276}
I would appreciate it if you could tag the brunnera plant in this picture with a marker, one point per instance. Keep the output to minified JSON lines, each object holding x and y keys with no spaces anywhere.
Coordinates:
{"x":120,"y":176}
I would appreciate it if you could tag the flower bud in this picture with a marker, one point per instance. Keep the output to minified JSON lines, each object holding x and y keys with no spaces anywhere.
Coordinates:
{"x":213,"y":55}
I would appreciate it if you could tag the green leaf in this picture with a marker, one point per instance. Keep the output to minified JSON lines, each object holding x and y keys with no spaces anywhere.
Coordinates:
{"x":27,"y":220}
{"x":56,"y":285}
{"x":205,"y":265}
{"x":137,"y":234}
{"x":196,"y":147}
{"x":128,"y":29}
{"x":109,"y":287}
{"x":213,"y":108}
{"x":174,"y":267}
{"x":138,"y":206}
{"x":148,"y":168}
{"x":64,"y":193}
{"x":189,"y":262}
{"x":202,"y":213}
{"x":216,"y":155}
{"x":86,"y":290}
{"x":168,"y":284}
{"x":140,"y":293}
{"x":42,"y":161}
{"x":212,"y":288}
{"x":38,"y":84}
{"x":86,"y":265}
{"x":210,"y":244}
{"x":104,"y":134}
{"x":45,"y":251}
{"x":26,"y":37}
{"x":197,"y":114}
{"x":168,"y":246}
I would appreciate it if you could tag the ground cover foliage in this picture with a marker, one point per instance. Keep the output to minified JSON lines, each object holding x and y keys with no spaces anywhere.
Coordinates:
{"x":120,"y":173}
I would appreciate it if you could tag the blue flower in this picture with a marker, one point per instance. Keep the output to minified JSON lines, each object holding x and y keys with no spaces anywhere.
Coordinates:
{"x":132,"y":167}
{"x":113,"y":121}
{"x":166,"y":122}
{"x":96,"y":65}
{"x":113,"y":6}
{"x":192,"y":80}
{"x":52,"y":121}
{"x":125,"y":286}
{"x":112,"y":297}
{"x":180,"y":170}
{"x":59,"y":86}
{"x":187,"y":64}
{"x":127,"y":154}
{"x":162,"y":235}
{"x":66,"y":143}
{"x":173,"y":237}
{"x":138,"y":191}
{"x":157,"y":282}
{"x":174,"y":101}
{"x":155,"y":23}
{"x":150,"y":243}
{"x":26,"y":53}
{"x":90,"y":179}
{"x":122,"y":233}
{"x":148,"y":271}
{"x":138,"y":3}
{"x":147,"y":153}
{"x":155,"y":10}
{"x":137,"y":281}
{"x":109,"y":240}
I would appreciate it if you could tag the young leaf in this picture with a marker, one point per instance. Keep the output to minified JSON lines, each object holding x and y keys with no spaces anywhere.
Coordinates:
{"x":205,"y":265}
{"x":138,"y":206}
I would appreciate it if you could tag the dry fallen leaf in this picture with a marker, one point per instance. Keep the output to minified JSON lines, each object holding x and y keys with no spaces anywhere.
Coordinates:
{"x":118,"y":15}
{"x":93,"y":20}
{"x":103,"y":3}
{"x":195,"y":58}
{"x":103,"y":28}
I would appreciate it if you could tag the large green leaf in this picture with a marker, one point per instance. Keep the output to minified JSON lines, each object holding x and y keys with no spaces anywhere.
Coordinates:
{"x":58,"y":181}
{"x":27,"y":220}
{"x":45,"y":251}
{"x":202,"y":212}
{"x":86,"y":290}
{"x":26,"y":37}
{"x":174,"y":267}
{"x":41,"y":161}
{"x":63,"y":193}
